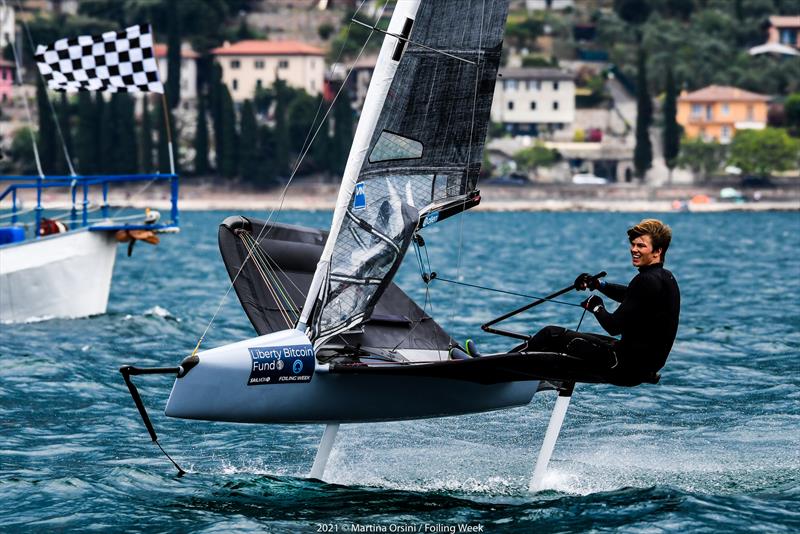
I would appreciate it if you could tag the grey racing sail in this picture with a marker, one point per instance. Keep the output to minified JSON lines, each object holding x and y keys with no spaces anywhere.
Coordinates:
{"x":416,"y":154}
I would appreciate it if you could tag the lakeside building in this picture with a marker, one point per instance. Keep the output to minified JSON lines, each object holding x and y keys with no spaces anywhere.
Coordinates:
{"x":544,"y":5}
{"x":357,"y":82}
{"x":188,"y":70}
{"x":784,"y":30}
{"x":531,"y":101}
{"x":7,"y":25}
{"x":6,"y":80}
{"x":248,"y":65}
{"x":718,"y":112}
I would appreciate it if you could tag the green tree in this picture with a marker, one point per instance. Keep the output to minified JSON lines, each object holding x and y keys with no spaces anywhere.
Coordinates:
{"x":125,"y":150}
{"x":343,"y":128}
{"x":763,"y":152}
{"x":163,"y":140}
{"x":643,"y":151}
{"x":173,"y":88}
{"x":47,"y":142}
{"x":65,"y":113}
{"x":282,"y":146}
{"x":792,"y":110}
{"x":672,"y":130}
{"x":226,"y":159}
{"x":530,"y":159}
{"x":101,"y":149}
{"x":248,"y":143}
{"x":85,"y":144}
{"x":701,"y":157}
{"x":146,"y":138}
{"x":523,"y":33}
{"x":21,"y":152}
{"x":201,"y":138}
{"x":266,"y":149}
{"x":633,"y":12}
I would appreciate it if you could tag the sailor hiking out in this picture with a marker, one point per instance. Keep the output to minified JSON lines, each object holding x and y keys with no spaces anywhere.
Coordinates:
{"x":646,"y":319}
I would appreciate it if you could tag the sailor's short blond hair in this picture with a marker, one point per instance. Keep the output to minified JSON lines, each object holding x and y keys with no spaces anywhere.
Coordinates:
{"x":660,"y":234}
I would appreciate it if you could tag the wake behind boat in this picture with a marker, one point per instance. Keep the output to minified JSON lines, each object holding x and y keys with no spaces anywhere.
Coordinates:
{"x":339,"y":342}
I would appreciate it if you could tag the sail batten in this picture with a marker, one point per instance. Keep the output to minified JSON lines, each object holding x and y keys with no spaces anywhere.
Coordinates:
{"x":418,"y":146}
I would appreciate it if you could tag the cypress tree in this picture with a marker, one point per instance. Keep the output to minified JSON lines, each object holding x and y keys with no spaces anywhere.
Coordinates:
{"x":114,"y":154}
{"x":344,"y":119}
{"x":65,"y":120}
{"x":102,"y":147}
{"x":281,"y":128}
{"x":173,"y":88}
{"x":215,"y":87}
{"x":248,"y":143}
{"x":201,"y":138}
{"x":643,"y":151}
{"x":672,"y":132}
{"x":163,"y":141}
{"x":146,"y":138}
{"x":266,"y":150}
{"x":47,"y":142}
{"x":85,"y":146}
{"x":226,"y":159}
{"x":127,"y":151}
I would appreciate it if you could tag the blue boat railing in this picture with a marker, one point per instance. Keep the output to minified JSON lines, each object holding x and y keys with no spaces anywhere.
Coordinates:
{"x":84,"y":184}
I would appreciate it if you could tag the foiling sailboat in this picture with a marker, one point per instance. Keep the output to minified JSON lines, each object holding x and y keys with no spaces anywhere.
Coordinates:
{"x":338,"y":341}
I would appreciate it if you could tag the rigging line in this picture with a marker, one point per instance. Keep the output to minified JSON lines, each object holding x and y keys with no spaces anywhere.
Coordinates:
{"x":50,"y":102}
{"x":277,"y":269}
{"x":260,"y":258}
{"x":409,"y":41}
{"x":18,"y":64}
{"x":283,"y":192}
{"x":271,"y":290}
{"x":478,"y":72}
{"x":507,"y":292}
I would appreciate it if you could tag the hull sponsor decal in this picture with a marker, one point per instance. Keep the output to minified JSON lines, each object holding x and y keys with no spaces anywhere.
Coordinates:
{"x":293,"y":364}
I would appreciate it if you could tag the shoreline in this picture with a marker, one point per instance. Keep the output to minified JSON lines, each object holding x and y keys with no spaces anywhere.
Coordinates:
{"x":541,"y":198}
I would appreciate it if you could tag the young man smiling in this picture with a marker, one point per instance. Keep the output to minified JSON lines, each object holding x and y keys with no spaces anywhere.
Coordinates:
{"x":646,"y":319}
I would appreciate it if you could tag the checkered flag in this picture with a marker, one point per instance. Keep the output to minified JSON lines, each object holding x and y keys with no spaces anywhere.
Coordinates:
{"x":114,"y":62}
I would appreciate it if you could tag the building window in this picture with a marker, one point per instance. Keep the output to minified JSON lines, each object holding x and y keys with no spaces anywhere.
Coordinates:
{"x":510,"y":106}
{"x":788,"y":37}
{"x":726,"y":109}
{"x":531,"y":84}
{"x":726,"y":133}
{"x":259,"y":63}
{"x":533,"y":105}
{"x":283,"y":64}
{"x":313,"y":85}
{"x":510,"y":85}
{"x":555,"y":86}
{"x":259,"y":85}
{"x":555,"y":105}
{"x":235,"y":63}
{"x":750,"y":113}
{"x":235,"y":84}
{"x":709,"y":112}
{"x":697,"y":110}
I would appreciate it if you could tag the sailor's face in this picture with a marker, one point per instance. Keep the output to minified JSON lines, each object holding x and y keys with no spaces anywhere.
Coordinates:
{"x":642,"y":253}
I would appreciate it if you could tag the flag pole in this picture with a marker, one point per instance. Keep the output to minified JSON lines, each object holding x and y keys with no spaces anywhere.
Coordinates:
{"x":164,"y":106}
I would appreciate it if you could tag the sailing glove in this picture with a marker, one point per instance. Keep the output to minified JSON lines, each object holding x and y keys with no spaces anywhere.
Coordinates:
{"x":593,"y":304}
{"x":587,"y":281}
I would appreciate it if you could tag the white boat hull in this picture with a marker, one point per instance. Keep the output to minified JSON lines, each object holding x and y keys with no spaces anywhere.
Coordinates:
{"x":60,"y":276}
{"x":221,"y":388}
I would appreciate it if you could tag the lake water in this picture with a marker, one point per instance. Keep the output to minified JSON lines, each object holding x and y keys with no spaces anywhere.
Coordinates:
{"x":713,"y":447}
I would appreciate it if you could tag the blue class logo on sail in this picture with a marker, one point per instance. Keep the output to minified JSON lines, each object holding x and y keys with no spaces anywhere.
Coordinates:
{"x":292,"y":364}
{"x":360,"y":198}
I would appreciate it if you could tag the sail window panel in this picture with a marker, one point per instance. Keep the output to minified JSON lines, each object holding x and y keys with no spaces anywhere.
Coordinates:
{"x":370,"y":243}
{"x":391,"y":146}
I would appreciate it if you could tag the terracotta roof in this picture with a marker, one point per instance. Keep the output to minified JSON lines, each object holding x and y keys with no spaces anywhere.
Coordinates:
{"x":186,"y":53}
{"x":268,"y":48}
{"x":714,"y":93}
{"x":6,"y":63}
{"x":785,"y":21}
{"x":531,"y":73}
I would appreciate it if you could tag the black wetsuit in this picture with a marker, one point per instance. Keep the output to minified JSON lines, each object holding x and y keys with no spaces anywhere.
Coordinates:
{"x":646,"y":320}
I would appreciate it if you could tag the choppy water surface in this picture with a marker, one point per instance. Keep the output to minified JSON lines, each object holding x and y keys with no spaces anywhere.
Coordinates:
{"x":713,"y":447}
